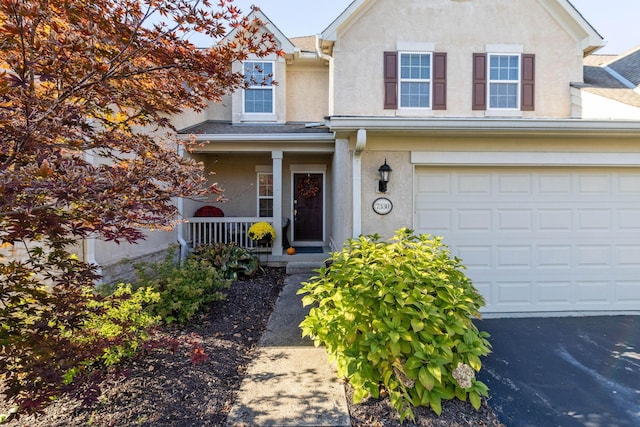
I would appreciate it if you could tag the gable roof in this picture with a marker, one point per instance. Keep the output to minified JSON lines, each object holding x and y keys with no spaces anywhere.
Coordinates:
{"x":284,"y":42}
{"x":562,"y":10}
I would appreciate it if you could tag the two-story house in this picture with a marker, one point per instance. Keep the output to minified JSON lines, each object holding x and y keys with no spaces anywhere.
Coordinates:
{"x":472,"y":109}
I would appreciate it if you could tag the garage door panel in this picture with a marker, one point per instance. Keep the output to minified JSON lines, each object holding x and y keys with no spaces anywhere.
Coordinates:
{"x":473,"y":185}
{"x":539,"y":239}
{"x":552,"y":184}
{"x":513,"y":257}
{"x":629,"y":219}
{"x":555,"y":293}
{"x":626,"y":292}
{"x":594,"y":219}
{"x":476,"y":257}
{"x":554,"y":256}
{"x":629,"y":184}
{"x":514,"y":219}
{"x":474,"y":219}
{"x":628,"y":256}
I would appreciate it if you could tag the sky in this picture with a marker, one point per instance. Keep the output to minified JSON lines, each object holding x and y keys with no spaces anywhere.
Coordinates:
{"x":618,"y":21}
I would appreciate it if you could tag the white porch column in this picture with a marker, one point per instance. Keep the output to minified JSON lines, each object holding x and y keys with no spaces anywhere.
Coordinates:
{"x":361,"y":143}
{"x":276,"y":157}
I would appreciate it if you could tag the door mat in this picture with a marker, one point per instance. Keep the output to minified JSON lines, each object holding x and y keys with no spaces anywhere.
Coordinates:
{"x":309,"y":250}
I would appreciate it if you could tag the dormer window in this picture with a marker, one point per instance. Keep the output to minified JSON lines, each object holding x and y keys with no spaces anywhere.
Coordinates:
{"x":259,"y":95}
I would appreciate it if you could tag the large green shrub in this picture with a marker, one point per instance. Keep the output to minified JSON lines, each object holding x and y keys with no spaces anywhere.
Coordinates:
{"x":397,"y":315}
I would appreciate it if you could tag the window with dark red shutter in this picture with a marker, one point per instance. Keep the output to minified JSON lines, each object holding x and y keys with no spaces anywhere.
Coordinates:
{"x":479,"y":96}
{"x":439,"y":81}
{"x":390,"y":80}
{"x":527,"y":98}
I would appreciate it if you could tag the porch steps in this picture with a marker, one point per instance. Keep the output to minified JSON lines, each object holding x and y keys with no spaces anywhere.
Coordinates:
{"x":303,"y":267}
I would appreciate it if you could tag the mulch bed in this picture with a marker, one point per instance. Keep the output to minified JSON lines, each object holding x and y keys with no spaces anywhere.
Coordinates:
{"x":167,"y":389}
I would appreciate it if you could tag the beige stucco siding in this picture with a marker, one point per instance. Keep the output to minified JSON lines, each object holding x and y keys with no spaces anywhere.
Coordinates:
{"x":397,"y":150}
{"x":307,"y":93}
{"x":459,"y":29}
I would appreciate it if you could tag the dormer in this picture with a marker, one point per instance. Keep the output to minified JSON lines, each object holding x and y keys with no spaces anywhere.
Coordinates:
{"x":264,"y":101}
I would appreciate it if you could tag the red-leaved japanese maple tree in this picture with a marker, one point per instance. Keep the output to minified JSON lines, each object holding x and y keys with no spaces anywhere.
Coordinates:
{"x":81,"y":81}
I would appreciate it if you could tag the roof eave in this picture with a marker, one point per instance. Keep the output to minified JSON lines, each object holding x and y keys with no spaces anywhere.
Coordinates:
{"x":488,"y":126}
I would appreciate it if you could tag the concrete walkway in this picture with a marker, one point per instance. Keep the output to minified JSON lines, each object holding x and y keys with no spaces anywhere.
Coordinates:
{"x":290,"y":383}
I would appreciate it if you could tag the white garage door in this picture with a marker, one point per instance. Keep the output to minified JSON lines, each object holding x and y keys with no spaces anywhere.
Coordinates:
{"x":539,"y":239}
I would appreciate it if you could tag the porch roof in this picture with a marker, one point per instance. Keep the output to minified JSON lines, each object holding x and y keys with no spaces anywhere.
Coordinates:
{"x":242,"y":137}
{"x":213,"y":127}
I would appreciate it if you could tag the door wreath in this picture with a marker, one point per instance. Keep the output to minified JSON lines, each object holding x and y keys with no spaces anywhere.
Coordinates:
{"x":309,"y":187}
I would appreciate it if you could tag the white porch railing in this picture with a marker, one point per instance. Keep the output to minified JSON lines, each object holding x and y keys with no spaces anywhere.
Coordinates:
{"x":209,"y":230}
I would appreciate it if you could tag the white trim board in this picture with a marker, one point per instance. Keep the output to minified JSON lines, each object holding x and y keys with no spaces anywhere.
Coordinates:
{"x":504,"y":158}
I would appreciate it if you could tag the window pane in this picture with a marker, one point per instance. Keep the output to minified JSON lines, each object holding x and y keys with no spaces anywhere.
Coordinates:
{"x":415,"y":66}
{"x":258,"y":100}
{"x":414,"y":95}
{"x":258,"y":73}
{"x":265,"y":208}
{"x":265,"y":183}
{"x":503,"y":95}
{"x":504,"y":67}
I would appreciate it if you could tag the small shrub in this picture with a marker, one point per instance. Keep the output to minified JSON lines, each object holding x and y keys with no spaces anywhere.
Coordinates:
{"x":53,"y":357}
{"x":185,"y":290}
{"x":397,"y":315}
{"x":122,"y":320}
{"x":230,"y":259}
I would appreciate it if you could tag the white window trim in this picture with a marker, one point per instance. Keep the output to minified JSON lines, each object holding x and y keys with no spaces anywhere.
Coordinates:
{"x":490,"y":81}
{"x":267,"y":115}
{"x":260,"y":170}
{"x":401,"y":80}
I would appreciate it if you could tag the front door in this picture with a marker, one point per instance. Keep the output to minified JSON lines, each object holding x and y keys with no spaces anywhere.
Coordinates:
{"x":308,"y":206}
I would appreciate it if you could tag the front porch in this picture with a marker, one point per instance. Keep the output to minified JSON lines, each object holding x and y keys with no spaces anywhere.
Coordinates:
{"x":210,"y":230}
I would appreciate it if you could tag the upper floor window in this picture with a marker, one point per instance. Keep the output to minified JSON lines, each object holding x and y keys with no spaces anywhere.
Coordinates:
{"x":504,"y":81}
{"x":415,"y":80}
{"x":258,"y":96}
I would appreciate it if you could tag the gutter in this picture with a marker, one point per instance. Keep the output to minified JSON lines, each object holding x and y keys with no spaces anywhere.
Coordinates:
{"x":487,"y":126}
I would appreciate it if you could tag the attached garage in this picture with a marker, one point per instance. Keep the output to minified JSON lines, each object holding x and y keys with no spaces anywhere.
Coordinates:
{"x":537,"y":238}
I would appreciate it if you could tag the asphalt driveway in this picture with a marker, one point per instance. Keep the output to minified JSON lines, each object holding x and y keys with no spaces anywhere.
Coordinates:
{"x":571,"y":371}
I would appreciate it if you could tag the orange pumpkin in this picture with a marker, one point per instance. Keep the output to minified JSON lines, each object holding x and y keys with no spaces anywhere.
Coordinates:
{"x":291,"y":250}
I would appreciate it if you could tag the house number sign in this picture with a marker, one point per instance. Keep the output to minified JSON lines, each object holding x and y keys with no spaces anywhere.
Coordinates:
{"x":382,"y":206}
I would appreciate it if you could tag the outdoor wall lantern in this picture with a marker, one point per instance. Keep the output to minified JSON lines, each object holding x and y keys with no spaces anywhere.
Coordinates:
{"x":385,"y":171}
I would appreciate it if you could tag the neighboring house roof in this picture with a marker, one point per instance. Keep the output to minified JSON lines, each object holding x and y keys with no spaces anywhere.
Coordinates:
{"x":562,"y":10}
{"x":614,"y":77}
{"x":628,"y":66}
{"x":212,"y":127}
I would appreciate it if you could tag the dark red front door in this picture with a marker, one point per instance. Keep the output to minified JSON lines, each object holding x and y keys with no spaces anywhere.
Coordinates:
{"x":308,"y":196}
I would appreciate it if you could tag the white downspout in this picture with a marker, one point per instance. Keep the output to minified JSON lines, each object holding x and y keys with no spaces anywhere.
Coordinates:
{"x":184,"y":247}
{"x":89,"y":244}
{"x":361,"y":143}
{"x":329,"y":59}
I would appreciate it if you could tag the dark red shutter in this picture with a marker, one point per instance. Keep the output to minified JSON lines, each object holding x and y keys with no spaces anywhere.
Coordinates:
{"x":527,"y":95}
{"x":439,"y":81}
{"x":391,"y":80}
{"x":479,"y":81}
